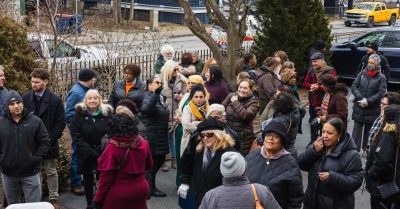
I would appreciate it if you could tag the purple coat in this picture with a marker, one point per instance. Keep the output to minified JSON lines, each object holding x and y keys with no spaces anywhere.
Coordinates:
{"x":218,"y":92}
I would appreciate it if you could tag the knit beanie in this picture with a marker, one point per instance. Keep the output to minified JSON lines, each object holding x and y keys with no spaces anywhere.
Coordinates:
{"x":13,"y":96}
{"x":276,"y":126}
{"x":373,"y":46}
{"x":392,"y":113}
{"x":328,"y":80}
{"x":86,"y":74}
{"x":232,"y":164}
{"x":215,"y":108}
{"x":319,"y":44}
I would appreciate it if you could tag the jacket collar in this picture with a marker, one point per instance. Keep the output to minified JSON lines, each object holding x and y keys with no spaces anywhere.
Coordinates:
{"x":235,"y":181}
{"x":345,"y":144}
{"x":25,"y":115}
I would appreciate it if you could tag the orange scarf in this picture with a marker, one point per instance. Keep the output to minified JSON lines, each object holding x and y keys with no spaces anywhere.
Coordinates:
{"x":199,"y":112}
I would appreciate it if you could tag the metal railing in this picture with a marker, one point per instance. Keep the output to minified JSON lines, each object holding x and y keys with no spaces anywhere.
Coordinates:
{"x":346,"y":37}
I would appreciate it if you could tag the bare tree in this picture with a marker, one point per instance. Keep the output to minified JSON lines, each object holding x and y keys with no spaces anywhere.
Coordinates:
{"x":232,"y":22}
{"x":132,"y":11}
{"x":117,"y":11}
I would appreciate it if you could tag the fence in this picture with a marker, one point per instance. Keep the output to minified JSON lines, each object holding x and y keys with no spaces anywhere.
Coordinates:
{"x":109,"y":71}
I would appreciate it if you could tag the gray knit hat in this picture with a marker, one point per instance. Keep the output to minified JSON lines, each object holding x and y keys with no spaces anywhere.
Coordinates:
{"x":232,"y":164}
{"x":13,"y":96}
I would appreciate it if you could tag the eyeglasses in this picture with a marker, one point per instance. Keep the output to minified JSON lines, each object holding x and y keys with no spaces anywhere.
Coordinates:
{"x":208,"y":135}
{"x":198,"y":97}
{"x":271,"y":136}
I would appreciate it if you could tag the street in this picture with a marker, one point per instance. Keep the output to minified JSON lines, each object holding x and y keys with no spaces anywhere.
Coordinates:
{"x":166,"y":180}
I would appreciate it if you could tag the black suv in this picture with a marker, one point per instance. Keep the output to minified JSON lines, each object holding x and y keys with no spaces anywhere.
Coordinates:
{"x":346,"y":57}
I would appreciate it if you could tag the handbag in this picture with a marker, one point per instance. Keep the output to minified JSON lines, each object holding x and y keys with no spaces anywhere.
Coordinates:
{"x":391,"y":188}
{"x":258,"y":204}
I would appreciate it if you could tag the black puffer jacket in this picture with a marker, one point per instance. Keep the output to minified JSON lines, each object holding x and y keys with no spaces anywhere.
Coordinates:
{"x":371,"y":88}
{"x":381,"y":161}
{"x":22,"y":145}
{"x":345,"y":176}
{"x":88,"y":131}
{"x":282,"y":176}
{"x":239,"y":116}
{"x":154,"y":116}
{"x":291,"y":121}
{"x":135,"y":94}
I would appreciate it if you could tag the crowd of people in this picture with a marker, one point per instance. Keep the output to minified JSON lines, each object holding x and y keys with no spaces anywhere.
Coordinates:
{"x":189,"y":117}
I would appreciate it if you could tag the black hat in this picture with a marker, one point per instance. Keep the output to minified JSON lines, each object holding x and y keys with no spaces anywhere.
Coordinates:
{"x":328,"y":80}
{"x":210,"y":124}
{"x":317,"y":56}
{"x":278,"y":127}
{"x":13,"y":96}
{"x":320,"y":44}
{"x":128,"y":104}
{"x":373,"y":46}
{"x":86,"y":74}
{"x":392,"y":113}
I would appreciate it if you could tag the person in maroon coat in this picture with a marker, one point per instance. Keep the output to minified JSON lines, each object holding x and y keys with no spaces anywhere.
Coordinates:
{"x":122,"y":183}
{"x":216,"y":86}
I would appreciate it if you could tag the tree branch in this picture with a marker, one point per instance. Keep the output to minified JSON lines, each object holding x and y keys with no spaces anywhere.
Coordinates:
{"x":215,"y":8}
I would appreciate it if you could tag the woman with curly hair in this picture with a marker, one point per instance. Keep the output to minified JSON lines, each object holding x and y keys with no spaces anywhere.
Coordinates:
{"x":122,"y":183}
{"x":383,"y":161}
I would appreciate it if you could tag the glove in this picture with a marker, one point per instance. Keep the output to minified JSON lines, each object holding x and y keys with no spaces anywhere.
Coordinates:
{"x":363,"y":102}
{"x":183,"y":190}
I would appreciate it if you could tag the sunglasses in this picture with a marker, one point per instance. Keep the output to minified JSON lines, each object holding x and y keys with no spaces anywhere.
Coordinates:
{"x":176,"y":69}
{"x":208,"y":135}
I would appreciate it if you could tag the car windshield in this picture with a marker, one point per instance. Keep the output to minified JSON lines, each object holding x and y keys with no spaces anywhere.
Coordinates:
{"x":365,"y":7}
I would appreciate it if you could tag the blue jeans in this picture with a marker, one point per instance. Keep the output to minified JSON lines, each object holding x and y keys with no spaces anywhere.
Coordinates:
{"x":171,"y":142}
{"x":76,"y":179}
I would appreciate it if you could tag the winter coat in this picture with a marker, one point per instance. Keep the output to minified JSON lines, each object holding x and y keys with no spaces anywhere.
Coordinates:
{"x":202,"y":181}
{"x":135,"y":94}
{"x":218,"y":92}
{"x":291,"y":122}
{"x":371,"y":88}
{"x":381,"y":160}
{"x":154,"y":116}
{"x":22,"y":145}
{"x":251,"y":71}
{"x":345,"y":176}
{"x":52,"y":114}
{"x":236,"y":192}
{"x":3,"y":97}
{"x":199,"y":65}
{"x":187,"y":70}
{"x":74,"y":96}
{"x":169,"y":92}
{"x":267,"y":82}
{"x":126,"y":188}
{"x":88,"y":135}
{"x":189,"y":124}
{"x":337,"y":106}
{"x":239,"y":116}
{"x":315,"y":98}
{"x":282,"y":176}
{"x":159,"y":64}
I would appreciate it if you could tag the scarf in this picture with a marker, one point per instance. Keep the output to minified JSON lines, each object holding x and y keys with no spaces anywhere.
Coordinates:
{"x":125,"y":141}
{"x":325,"y":104}
{"x":199,"y":111}
{"x":372,"y":73}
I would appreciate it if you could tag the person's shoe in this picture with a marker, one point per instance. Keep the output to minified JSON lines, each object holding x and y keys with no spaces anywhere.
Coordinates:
{"x":173,"y":163}
{"x":165,"y":167}
{"x":158,"y":193}
{"x":55,"y":203}
{"x":78,"y":190}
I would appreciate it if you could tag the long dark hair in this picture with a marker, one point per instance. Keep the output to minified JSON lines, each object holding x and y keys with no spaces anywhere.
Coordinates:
{"x":215,"y":75}
{"x":149,"y":81}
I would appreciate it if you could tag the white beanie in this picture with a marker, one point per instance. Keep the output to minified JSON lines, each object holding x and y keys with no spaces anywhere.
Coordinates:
{"x":215,"y":108}
{"x":232,"y":164}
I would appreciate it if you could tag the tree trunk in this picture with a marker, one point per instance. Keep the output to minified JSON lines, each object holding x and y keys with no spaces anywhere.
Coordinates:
{"x":132,"y":11}
{"x":115,"y":11}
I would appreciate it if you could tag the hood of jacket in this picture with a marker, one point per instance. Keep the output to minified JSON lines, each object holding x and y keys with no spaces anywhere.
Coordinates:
{"x":105,"y":109}
{"x":25,"y":115}
{"x":345,"y":144}
{"x":262,"y":71}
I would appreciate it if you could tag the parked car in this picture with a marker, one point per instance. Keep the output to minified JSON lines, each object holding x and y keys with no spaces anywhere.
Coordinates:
{"x":369,"y":13}
{"x":346,"y":57}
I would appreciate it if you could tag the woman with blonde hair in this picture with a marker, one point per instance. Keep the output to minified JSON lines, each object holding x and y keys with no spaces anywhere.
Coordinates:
{"x":174,"y":87}
{"x":201,"y":160}
{"x":88,"y":128}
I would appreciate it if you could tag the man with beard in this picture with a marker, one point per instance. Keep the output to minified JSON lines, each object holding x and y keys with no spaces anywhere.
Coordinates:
{"x":50,"y":108}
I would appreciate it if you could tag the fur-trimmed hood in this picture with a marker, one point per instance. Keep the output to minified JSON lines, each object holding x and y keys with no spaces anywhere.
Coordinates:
{"x":105,"y":109}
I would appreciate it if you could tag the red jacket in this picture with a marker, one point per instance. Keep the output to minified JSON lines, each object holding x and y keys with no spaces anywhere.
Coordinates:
{"x":315,"y":98}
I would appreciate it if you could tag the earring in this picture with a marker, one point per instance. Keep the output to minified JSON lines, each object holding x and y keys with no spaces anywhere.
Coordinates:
{"x":338,"y":138}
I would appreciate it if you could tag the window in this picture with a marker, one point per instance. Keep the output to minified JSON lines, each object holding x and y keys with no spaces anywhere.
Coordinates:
{"x":392,"y":40}
{"x":63,"y":50}
{"x":365,"y":7}
{"x":378,"y":7}
{"x":370,"y":38}
{"x":383,"y":7}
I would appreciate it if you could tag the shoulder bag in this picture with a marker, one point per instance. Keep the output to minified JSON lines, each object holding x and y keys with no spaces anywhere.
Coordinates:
{"x":258,"y":204}
{"x":391,"y":188}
